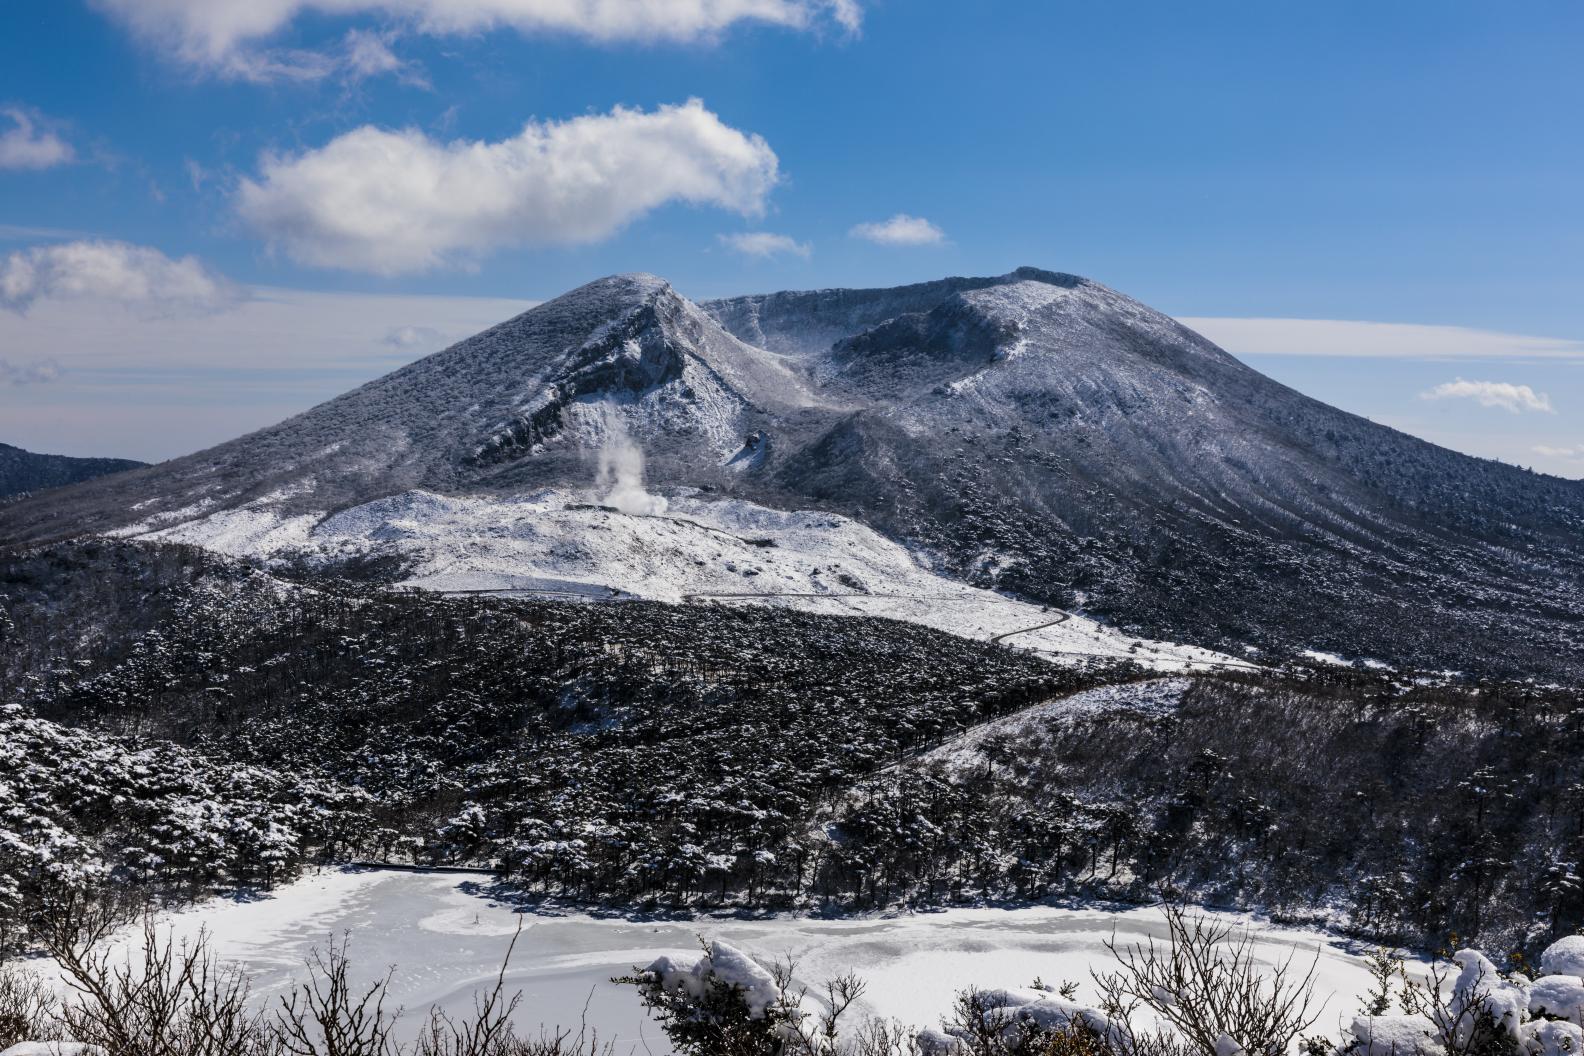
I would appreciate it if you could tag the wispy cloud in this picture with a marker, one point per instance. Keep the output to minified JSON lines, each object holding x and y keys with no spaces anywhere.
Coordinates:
{"x":900,"y":230}
{"x":1503,"y":394}
{"x":153,"y":385}
{"x":28,"y":144}
{"x":30,"y":372}
{"x":391,"y":202}
{"x":765,"y":244}
{"x":111,"y":271}
{"x":413,"y":338}
{"x":27,"y":233}
{"x":1370,"y":340}
{"x":1575,"y":453}
{"x":229,"y":38}
{"x":368,"y":53}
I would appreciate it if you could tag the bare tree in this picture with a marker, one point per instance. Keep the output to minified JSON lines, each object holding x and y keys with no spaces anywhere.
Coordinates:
{"x":161,"y":999}
{"x":328,"y":1016}
{"x":1208,"y":985}
{"x":28,"y":1009}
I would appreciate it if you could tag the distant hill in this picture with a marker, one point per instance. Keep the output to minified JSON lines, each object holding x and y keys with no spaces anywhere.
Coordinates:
{"x":24,"y":471}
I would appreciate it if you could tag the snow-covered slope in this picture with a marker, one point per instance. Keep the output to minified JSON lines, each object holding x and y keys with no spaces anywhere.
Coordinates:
{"x":532,"y":399}
{"x":1155,"y":697}
{"x":1035,"y":433}
{"x":696,"y":550}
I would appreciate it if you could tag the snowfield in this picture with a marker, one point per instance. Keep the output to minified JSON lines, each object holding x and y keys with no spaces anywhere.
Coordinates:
{"x":701,"y":550}
{"x":443,"y":939}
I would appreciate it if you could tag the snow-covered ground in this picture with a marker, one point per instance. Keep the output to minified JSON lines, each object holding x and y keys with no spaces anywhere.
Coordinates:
{"x":696,"y":550}
{"x":443,"y":941}
{"x":1156,"y":696}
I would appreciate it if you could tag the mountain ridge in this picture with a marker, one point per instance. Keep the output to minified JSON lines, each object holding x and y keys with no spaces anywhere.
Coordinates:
{"x":28,"y":471}
{"x":1035,"y":432}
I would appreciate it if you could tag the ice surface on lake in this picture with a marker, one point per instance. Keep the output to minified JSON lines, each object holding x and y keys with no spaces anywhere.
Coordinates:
{"x":444,"y":940}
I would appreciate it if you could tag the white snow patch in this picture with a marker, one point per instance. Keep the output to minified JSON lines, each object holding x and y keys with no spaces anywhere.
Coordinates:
{"x":1158,"y":696}
{"x":698,"y":550}
{"x":1564,"y":956}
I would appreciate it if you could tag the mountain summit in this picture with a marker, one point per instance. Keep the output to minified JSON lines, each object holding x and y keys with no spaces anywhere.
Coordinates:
{"x":1035,"y":432}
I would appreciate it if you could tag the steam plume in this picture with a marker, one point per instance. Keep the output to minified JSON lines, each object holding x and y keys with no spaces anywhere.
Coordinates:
{"x":620,"y":474}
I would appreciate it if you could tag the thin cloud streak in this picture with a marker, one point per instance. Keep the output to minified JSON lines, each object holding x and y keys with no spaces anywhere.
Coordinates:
{"x":1370,"y":340}
{"x":156,"y":386}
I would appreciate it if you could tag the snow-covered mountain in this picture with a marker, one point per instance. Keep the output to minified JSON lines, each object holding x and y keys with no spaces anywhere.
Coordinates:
{"x":1035,"y":432}
{"x":25,"y":471}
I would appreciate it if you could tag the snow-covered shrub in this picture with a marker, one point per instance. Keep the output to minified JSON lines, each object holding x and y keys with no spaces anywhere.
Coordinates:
{"x":1469,"y":1007}
{"x":1201,"y":992}
{"x":719,"y":1002}
{"x":722,"y":1002}
{"x":83,"y":811}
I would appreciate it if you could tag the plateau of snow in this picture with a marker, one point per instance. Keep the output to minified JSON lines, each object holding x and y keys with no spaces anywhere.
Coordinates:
{"x":688,"y":548}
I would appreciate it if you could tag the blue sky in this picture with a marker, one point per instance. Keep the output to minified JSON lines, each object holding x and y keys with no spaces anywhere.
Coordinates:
{"x":303,"y":193}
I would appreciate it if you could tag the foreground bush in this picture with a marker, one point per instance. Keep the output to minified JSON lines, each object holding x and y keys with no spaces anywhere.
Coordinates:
{"x":165,"y":999}
{"x":1199,"y":992}
{"x":1202,"y":990}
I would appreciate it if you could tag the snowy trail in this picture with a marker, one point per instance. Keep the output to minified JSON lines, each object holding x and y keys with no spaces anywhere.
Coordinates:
{"x":443,"y":938}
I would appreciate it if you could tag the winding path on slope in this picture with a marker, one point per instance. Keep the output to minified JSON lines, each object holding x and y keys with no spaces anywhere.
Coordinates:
{"x":1063,"y":618}
{"x":739,"y":595}
{"x":701,"y":596}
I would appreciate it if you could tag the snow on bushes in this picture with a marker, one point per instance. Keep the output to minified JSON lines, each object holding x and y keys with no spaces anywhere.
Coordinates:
{"x":1564,"y":957}
{"x":79,"y":809}
{"x":724,"y":965}
{"x":1220,"y":1002}
{"x":1010,"y":1017}
{"x":1486,"y":1012}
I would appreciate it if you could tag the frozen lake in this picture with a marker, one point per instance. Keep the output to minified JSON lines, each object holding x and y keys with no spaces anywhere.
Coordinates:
{"x":444,"y":942}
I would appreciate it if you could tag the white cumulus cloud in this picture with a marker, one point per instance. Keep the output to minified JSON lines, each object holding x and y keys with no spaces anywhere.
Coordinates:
{"x":25,"y":145}
{"x":389,"y":202}
{"x":900,"y":230}
{"x":1503,"y":394}
{"x":765,"y":244}
{"x":111,"y":271}
{"x":224,"y":36}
